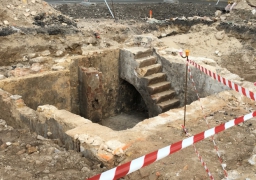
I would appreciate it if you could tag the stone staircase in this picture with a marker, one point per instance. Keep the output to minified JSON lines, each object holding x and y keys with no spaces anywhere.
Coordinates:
{"x":158,"y":87}
{"x":139,"y":67}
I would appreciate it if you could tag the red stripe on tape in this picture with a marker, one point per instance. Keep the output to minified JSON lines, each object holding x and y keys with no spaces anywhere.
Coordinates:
{"x":251,"y":95}
{"x":236,"y":87}
{"x":199,"y":137}
{"x":239,"y":120}
{"x":176,"y":147}
{"x":243,"y":91}
{"x":97,"y":177}
{"x":122,"y":170}
{"x":219,"y":128}
{"x":150,"y":158}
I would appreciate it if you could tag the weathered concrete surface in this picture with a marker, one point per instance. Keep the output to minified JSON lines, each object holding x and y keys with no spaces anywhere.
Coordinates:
{"x":128,"y":67}
{"x":91,"y":94}
{"x":19,"y":115}
{"x":175,"y":68}
{"x":44,"y":88}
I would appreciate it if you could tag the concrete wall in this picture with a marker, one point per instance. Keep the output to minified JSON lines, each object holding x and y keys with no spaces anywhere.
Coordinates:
{"x":128,"y":66}
{"x":44,"y":88}
{"x":47,"y":119}
{"x":63,"y":126}
{"x":176,"y":75}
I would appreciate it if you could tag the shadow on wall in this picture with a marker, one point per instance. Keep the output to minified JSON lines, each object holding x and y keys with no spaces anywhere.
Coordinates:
{"x":130,"y":99}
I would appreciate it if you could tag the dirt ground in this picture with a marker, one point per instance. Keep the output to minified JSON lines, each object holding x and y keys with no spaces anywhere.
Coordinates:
{"x":236,"y":146}
{"x":229,"y":39}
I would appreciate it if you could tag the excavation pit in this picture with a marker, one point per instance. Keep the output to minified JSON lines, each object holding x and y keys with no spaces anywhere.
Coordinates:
{"x":100,"y":102}
{"x":103,"y":84}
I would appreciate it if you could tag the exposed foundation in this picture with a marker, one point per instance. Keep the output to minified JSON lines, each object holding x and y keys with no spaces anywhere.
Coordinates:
{"x":118,"y":103}
{"x":93,"y":90}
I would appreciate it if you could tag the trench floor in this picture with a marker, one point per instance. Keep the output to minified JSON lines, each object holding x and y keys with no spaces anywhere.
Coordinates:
{"x":125,"y":121}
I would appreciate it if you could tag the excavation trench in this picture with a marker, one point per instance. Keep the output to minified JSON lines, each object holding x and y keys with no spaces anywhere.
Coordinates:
{"x":66,"y":104}
{"x":92,"y":87}
{"x":102,"y":102}
{"x":97,"y":106}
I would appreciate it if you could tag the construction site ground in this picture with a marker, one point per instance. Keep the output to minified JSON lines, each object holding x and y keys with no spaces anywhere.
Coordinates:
{"x":228,"y":39}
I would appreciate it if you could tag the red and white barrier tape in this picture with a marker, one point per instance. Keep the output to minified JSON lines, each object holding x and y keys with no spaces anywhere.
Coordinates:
{"x":143,"y":161}
{"x":212,"y":137}
{"x":224,"y":81}
{"x":200,"y":157}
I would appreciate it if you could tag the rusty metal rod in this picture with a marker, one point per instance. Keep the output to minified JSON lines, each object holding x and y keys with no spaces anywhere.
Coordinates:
{"x":185,"y":89}
{"x":186,"y":86}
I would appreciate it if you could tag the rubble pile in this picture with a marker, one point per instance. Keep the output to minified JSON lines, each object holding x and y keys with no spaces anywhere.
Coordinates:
{"x":29,"y":13}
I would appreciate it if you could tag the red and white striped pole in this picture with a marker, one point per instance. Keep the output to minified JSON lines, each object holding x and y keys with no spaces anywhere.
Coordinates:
{"x":143,"y":161}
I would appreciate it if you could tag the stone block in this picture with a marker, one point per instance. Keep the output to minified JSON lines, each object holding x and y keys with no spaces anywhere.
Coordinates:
{"x":91,"y":93}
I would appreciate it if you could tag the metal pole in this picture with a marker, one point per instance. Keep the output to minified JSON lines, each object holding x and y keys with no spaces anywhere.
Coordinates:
{"x":186,"y":86}
{"x":113,"y":9}
{"x":109,"y":9}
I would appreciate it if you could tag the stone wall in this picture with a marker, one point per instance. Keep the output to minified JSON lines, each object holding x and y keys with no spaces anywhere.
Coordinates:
{"x":45,"y":88}
{"x":176,"y":75}
{"x":105,"y":62}
{"x":128,"y":66}
{"x":68,"y":129}
{"x":91,"y":94}
{"x":18,"y":115}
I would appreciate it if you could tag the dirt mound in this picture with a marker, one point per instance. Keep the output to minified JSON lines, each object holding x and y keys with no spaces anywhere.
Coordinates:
{"x":27,"y":13}
{"x":45,"y":20}
{"x":161,"y":11}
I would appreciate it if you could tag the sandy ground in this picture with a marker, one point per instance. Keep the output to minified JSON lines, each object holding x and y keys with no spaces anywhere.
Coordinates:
{"x":202,"y":41}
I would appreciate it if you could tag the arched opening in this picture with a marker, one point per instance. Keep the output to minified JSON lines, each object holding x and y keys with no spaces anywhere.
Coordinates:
{"x":131,"y":108}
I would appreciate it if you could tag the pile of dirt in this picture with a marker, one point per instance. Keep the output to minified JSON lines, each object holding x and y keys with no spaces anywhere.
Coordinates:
{"x":26,"y":13}
{"x":161,"y":11}
{"x":45,"y":20}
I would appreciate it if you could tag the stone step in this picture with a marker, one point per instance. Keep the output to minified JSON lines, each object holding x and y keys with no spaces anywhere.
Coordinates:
{"x":146,"y":61}
{"x":159,"y":87}
{"x":169,"y":104}
{"x":163,"y":96}
{"x":140,"y":53}
{"x":155,"y":78}
{"x":148,"y":70}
